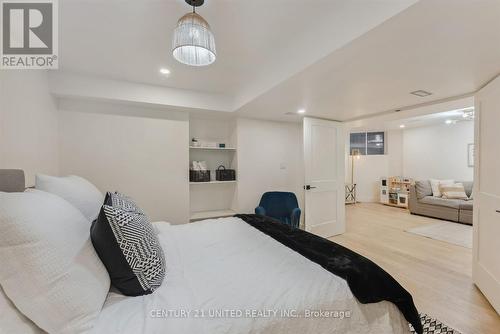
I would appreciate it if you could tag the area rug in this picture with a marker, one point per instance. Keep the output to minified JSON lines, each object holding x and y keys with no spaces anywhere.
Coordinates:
{"x":453,"y":233}
{"x":433,"y":326}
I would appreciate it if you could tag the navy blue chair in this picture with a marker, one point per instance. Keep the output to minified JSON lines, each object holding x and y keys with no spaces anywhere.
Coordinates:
{"x":282,"y":206}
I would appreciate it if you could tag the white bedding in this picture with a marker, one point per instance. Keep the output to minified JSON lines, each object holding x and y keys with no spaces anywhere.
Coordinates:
{"x":225,"y":264}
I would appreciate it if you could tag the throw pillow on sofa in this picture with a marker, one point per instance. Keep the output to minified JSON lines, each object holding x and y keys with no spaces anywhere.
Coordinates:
{"x":455,"y":191}
{"x":435,"y":184}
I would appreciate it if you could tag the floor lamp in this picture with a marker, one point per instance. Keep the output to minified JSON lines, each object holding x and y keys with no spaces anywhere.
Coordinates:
{"x":355,"y":155}
{"x":351,"y":188}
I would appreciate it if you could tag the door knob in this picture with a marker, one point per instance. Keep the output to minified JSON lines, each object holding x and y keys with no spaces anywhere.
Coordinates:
{"x":308,"y":187}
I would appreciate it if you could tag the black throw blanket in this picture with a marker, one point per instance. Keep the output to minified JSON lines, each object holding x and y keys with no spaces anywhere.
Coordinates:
{"x":368,"y":282}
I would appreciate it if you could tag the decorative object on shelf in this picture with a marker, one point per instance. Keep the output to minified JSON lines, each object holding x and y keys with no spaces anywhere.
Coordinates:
{"x":199,"y":165}
{"x":195,"y":142}
{"x":223,"y":174}
{"x":199,"y":176}
{"x":470,"y":155}
{"x":193,"y":43}
{"x":350,"y":193}
{"x":208,"y":144}
{"x":222,"y":145}
{"x":198,"y":172}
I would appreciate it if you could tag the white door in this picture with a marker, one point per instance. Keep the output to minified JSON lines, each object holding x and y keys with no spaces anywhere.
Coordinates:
{"x":324,"y":177}
{"x":486,"y":250}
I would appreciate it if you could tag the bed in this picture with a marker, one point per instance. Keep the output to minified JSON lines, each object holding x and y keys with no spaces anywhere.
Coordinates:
{"x":225,"y":264}
{"x":226,"y":276}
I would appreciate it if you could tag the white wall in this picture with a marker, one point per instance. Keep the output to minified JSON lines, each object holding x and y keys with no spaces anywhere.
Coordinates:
{"x":438,"y":152}
{"x":367,"y":172}
{"x":270,"y":158}
{"x":146,"y":158}
{"x":28,"y":124}
{"x":141,"y":152}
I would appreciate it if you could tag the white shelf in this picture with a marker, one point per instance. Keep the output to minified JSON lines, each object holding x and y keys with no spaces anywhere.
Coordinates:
{"x":211,"y":214}
{"x":213,"y":182}
{"x":213,"y":148}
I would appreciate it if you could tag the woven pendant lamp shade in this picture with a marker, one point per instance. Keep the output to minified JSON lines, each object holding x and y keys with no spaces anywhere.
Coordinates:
{"x":193,"y":43}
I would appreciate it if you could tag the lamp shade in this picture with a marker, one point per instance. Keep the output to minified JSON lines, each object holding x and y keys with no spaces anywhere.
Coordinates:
{"x":193,"y":43}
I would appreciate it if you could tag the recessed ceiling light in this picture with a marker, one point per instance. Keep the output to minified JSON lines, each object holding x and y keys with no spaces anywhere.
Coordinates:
{"x":421,"y":93}
{"x":301,"y":111}
{"x":402,"y":126}
{"x":164,"y":71}
{"x":448,"y":121}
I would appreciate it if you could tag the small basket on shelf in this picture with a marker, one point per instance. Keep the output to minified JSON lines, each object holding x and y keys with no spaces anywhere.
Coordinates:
{"x":223,"y":174}
{"x":199,"y":176}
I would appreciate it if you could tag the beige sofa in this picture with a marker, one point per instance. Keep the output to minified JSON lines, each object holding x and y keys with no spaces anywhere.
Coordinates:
{"x":421,"y":202}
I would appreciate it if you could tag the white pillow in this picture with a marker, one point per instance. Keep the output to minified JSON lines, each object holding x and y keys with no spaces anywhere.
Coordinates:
{"x":48,"y":266}
{"x":13,"y":321}
{"x":455,"y":191}
{"x":435,"y":186}
{"x":76,"y":190}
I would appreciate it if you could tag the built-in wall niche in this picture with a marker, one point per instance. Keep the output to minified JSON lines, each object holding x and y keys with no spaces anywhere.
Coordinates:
{"x":216,"y":146}
{"x":214,"y":158}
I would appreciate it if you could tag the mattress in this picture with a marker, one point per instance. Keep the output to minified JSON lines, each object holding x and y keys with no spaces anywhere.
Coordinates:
{"x":224,"y":276}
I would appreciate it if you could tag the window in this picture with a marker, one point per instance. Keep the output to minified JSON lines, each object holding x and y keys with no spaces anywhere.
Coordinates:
{"x":358,"y":142}
{"x":368,"y":143}
{"x":375,"y":143}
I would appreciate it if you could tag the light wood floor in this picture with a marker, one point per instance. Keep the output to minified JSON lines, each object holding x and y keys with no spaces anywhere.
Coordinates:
{"x":436,"y":273}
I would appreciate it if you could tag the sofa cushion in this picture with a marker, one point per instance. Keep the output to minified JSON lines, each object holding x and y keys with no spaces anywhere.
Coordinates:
{"x":423,"y":189}
{"x":438,"y":201}
{"x":466,"y":205}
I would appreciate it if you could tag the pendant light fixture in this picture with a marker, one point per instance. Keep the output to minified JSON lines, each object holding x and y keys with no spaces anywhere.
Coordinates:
{"x":193,"y":42}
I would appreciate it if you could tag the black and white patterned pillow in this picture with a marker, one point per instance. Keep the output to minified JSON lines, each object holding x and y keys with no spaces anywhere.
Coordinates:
{"x":121,"y":201}
{"x":128,"y":245}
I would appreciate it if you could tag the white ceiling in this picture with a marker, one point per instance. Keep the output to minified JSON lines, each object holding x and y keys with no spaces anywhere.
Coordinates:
{"x":260,"y":43}
{"x":448,"y":47}
{"x":441,"y":118}
{"x":339,"y":59}
{"x":427,"y":115}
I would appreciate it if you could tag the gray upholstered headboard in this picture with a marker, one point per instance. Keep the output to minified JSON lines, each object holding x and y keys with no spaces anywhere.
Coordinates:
{"x":12,"y":180}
